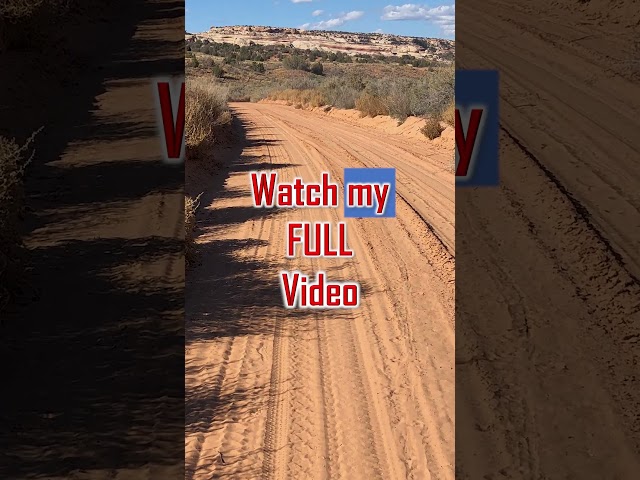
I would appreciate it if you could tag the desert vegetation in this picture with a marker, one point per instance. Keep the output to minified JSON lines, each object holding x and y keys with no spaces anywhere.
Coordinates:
{"x":296,"y":58}
{"x":14,"y":159}
{"x":14,"y":9}
{"x":205,"y":110}
{"x":391,"y":86}
{"x":190,"y":207}
{"x":206,"y":115}
{"x":21,"y":21}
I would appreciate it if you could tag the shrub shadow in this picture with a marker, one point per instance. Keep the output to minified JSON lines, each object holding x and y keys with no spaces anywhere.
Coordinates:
{"x":93,"y":355}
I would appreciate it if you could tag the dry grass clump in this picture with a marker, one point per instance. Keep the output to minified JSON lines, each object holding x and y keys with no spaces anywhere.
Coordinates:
{"x":13,"y":162}
{"x":371,"y":105}
{"x":449,"y":115}
{"x":190,"y":207}
{"x":205,"y":109}
{"x":432,"y":128}
{"x":342,"y":92}
{"x":309,"y":97}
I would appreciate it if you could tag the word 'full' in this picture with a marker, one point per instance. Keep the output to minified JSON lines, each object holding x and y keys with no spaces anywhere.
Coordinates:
{"x":317,"y":243}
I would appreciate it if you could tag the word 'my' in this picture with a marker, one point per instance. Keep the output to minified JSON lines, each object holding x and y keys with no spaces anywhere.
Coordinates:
{"x":370,"y":192}
{"x":362,"y":196}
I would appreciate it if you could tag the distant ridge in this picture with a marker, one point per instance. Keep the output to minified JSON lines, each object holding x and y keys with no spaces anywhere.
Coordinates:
{"x":332,"y":41}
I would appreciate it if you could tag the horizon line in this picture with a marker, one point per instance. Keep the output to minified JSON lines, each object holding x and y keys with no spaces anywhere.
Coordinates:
{"x":316,"y":30}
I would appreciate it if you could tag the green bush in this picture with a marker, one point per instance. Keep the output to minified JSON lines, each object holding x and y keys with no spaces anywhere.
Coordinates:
{"x":434,"y":93}
{"x":217,"y":71}
{"x":258,"y":67}
{"x":295,"y":62}
{"x":317,"y":68}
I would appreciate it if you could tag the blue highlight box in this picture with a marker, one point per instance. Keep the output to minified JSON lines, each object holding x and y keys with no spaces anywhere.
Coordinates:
{"x":361,"y":178}
{"x":479,"y":89}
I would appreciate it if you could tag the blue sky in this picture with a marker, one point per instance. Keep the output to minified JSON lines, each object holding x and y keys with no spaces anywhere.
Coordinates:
{"x":428,"y":19}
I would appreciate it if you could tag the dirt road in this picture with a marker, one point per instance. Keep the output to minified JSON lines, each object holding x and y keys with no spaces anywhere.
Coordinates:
{"x":547,"y":293}
{"x":351,"y":394}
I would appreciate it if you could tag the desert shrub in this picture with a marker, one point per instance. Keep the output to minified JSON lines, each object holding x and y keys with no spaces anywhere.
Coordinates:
{"x":206,"y":61}
{"x":312,"y":98}
{"x":258,"y":67}
{"x":217,"y":70}
{"x":449,"y":115}
{"x":259,"y":92}
{"x":194,"y":62}
{"x":432,"y":128}
{"x":239,"y":93}
{"x":205,"y":109}
{"x":371,"y":105}
{"x":397,"y":100}
{"x":13,"y":162}
{"x":340,"y":93}
{"x":190,"y":207}
{"x":307,"y":97}
{"x":295,"y":62}
{"x":306,"y":82}
{"x":317,"y":68}
{"x":355,"y":80}
{"x":434,"y":93}
{"x":393,"y":94}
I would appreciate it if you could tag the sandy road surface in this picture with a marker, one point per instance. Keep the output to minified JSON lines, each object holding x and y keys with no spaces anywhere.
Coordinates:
{"x":344,"y":395}
{"x":547,"y":289}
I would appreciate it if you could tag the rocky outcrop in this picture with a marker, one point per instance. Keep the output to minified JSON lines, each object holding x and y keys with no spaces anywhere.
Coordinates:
{"x":345,"y":42}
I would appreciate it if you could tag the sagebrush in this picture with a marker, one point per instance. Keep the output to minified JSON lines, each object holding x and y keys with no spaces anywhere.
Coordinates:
{"x":13,"y":162}
{"x":205,"y":109}
{"x":432,"y":128}
{"x":190,"y":207}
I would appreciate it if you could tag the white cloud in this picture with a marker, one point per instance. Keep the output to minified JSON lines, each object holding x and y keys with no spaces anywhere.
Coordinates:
{"x":336,"y":21}
{"x":443,"y":16}
{"x":379,"y":30}
{"x":315,"y":13}
{"x":301,"y":1}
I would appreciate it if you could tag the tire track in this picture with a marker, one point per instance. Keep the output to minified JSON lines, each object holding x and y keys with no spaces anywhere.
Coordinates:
{"x":566,"y":200}
{"x":349,"y":394}
{"x":394,"y":301}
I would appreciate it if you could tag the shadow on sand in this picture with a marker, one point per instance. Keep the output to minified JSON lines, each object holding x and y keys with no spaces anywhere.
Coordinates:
{"x":234,"y":292}
{"x":93,"y":375}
